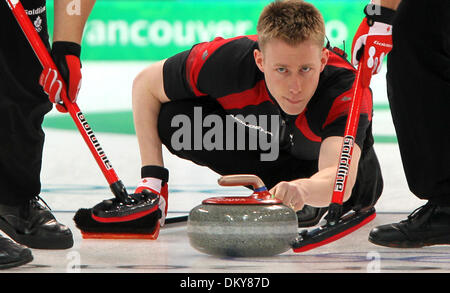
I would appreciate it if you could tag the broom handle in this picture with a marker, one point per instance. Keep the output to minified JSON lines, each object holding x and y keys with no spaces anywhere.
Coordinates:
{"x":340,"y":183}
{"x":77,"y":116}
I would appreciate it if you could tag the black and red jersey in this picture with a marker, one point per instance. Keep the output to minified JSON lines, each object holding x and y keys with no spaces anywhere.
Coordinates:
{"x":225,"y":70}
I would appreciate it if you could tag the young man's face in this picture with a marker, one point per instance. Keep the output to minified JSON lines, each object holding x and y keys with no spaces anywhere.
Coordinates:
{"x":291,"y":72}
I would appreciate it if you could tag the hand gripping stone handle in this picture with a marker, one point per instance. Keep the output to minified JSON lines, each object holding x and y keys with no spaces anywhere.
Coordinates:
{"x":78,"y":117}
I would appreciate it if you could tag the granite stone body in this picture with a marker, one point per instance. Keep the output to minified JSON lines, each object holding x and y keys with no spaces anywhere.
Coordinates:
{"x":241,"y":230}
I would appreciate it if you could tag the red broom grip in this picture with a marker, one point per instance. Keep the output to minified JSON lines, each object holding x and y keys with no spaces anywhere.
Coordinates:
{"x":351,"y":129}
{"x":349,"y":139}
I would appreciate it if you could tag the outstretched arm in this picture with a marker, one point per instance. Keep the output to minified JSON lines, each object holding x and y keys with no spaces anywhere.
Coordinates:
{"x":318,"y":189}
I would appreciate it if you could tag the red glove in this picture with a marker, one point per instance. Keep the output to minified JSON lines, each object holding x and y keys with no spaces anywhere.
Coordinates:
{"x":66,"y":56}
{"x":373,"y":39}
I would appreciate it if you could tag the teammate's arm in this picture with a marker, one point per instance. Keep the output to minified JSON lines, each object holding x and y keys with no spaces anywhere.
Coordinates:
{"x":392,"y":4}
{"x":147,"y":96}
{"x":70,"y":19}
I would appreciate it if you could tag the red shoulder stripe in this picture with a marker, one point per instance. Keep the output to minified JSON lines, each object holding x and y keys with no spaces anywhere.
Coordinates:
{"x":337,"y":61}
{"x":302,"y":125}
{"x":254,"y":96}
{"x":199,"y":54}
{"x":341,"y":106}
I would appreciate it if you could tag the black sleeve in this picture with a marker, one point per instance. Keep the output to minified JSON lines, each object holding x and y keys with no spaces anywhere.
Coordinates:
{"x":337,"y":128}
{"x":338,"y":90}
{"x":174,"y":76}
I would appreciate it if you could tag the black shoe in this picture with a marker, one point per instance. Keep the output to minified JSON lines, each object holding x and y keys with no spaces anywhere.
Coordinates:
{"x":427,"y":225}
{"x":310,"y":216}
{"x":35,"y":226}
{"x":13,"y":254}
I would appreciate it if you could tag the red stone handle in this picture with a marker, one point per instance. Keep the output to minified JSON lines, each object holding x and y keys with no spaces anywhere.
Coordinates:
{"x":241,"y":180}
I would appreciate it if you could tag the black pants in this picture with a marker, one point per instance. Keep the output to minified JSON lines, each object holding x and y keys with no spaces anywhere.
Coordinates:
{"x":286,"y":167}
{"x":23,"y":105}
{"x":418,"y":82}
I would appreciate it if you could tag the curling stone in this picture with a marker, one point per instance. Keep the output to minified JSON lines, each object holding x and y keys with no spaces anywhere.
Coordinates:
{"x":257,"y":225}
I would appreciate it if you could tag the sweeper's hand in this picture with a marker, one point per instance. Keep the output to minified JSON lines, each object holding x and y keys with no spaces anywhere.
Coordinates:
{"x":66,"y":56}
{"x":290,"y":193}
{"x":373,"y":37}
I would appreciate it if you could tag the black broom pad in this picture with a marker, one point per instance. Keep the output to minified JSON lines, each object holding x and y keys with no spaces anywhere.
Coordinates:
{"x":144,"y":225}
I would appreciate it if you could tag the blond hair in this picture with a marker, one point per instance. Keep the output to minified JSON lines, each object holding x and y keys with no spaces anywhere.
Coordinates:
{"x":292,"y":21}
